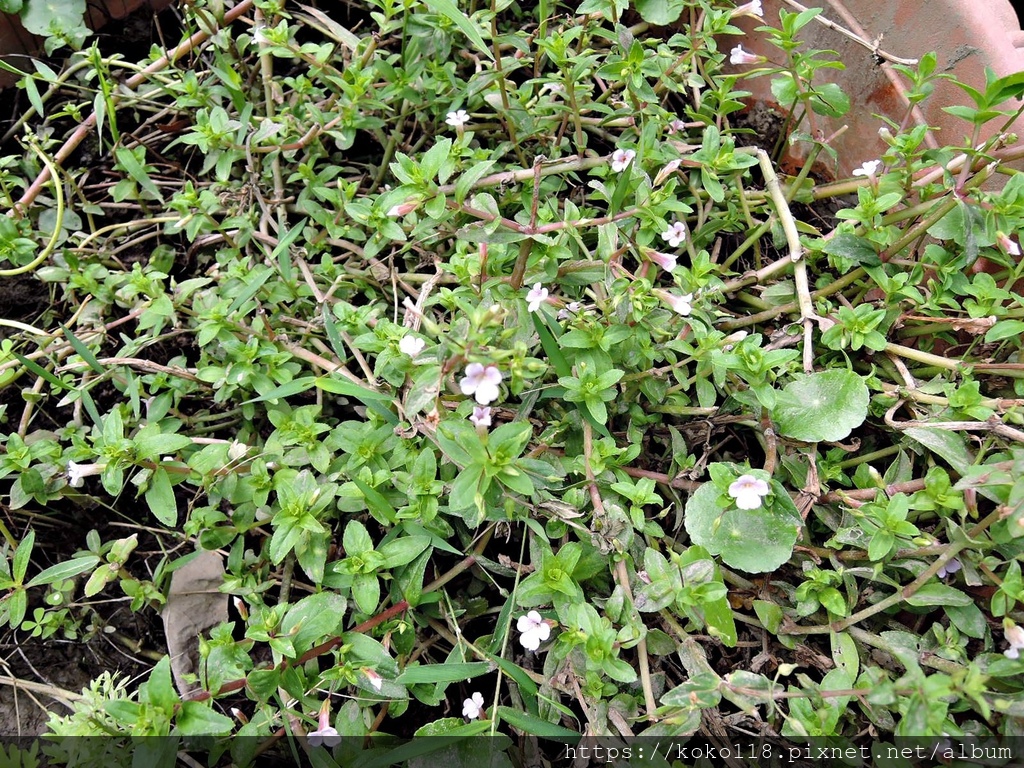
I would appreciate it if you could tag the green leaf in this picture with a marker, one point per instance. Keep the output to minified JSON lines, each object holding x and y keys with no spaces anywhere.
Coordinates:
{"x":159,"y":688}
{"x":197,"y":719}
{"x":659,"y":12}
{"x":1004,"y":329}
{"x":137,"y":171}
{"x":377,"y":504}
{"x":370,"y":398}
{"x":160,"y":498}
{"x":294,"y":387}
{"x":313,"y":618}
{"x":22,"y":555}
{"x":66,"y":570}
{"x":83,"y":351}
{"x":450,"y":11}
{"x":937,"y":593}
{"x":848,"y":246}
{"x":822,"y":407}
{"x":950,"y":446}
{"x":44,"y":17}
{"x":535,"y":725}
{"x":443,"y":673}
{"x":752,"y":540}
{"x":40,"y":371}
{"x":257,"y":278}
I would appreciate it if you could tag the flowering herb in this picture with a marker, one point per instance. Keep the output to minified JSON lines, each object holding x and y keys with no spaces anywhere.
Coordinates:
{"x":482,"y":382}
{"x":537,"y":296}
{"x":533,"y":630}
{"x":748,"y":491}
{"x":458,"y":118}
{"x":675,"y":235}
{"x":473,"y":707}
{"x":621,"y":158}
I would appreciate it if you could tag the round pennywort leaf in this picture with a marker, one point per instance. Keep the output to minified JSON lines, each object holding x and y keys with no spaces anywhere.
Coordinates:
{"x":822,"y":407}
{"x":750,"y":540}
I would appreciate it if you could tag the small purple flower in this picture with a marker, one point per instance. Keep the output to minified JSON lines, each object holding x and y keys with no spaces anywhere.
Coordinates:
{"x":481,"y":382}
{"x":949,"y":568}
{"x":481,"y":416}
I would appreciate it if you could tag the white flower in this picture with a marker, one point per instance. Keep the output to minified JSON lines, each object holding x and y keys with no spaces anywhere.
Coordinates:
{"x":1014,"y":635}
{"x":681,"y":305}
{"x":537,"y":296}
{"x":738,"y":56}
{"x":675,"y":235}
{"x":621,"y":158}
{"x":481,"y":416}
{"x":374,"y":679}
{"x":664,"y":260}
{"x":458,"y":118}
{"x":868,"y":169}
{"x":752,"y":8}
{"x":78,"y":472}
{"x":411,"y":345}
{"x":237,"y":450}
{"x":259,"y":35}
{"x":481,"y":382}
{"x":748,"y":490}
{"x":534,"y":630}
{"x":473,"y":707}
{"x":1007,"y":244}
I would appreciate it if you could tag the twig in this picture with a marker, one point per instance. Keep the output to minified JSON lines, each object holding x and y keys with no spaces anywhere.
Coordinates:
{"x":873,"y":47}
{"x":803,"y":290}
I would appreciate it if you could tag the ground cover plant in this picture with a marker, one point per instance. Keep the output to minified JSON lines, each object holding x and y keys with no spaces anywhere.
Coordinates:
{"x":494,"y":380}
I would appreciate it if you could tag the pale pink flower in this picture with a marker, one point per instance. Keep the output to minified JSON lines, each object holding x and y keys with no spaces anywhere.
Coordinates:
{"x":473,"y":707}
{"x":752,"y":8}
{"x":1008,"y":244}
{"x":664,"y":260}
{"x":534,"y":630}
{"x":621,"y":158}
{"x":325,"y":735}
{"x":402,"y":209}
{"x":675,"y":235}
{"x":681,"y":305}
{"x":748,"y":490}
{"x":739,"y":56}
{"x":1014,"y":634}
{"x":373,"y":679}
{"x":676,"y":126}
{"x":481,"y":416}
{"x":78,"y":472}
{"x":537,"y":296}
{"x":481,"y":382}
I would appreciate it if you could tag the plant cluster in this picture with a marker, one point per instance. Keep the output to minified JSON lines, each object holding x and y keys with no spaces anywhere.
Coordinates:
{"x":510,"y":383}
